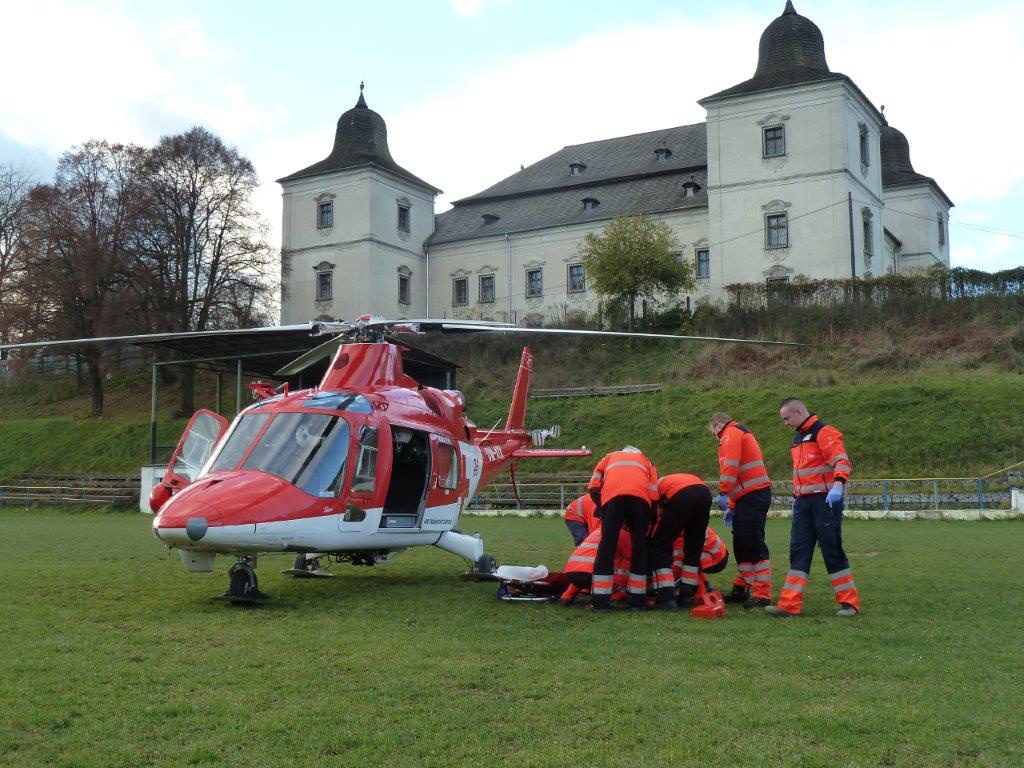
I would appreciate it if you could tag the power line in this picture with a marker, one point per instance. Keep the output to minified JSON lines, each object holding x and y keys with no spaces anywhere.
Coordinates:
{"x":965,"y":225}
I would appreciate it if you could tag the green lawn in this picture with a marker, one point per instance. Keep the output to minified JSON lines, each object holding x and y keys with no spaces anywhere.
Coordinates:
{"x":113,"y":655}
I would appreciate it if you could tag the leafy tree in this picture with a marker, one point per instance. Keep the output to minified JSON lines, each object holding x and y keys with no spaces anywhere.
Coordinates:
{"x":14,"y":187}
{"x":79,"y":231}
{"x":204,"y":258}
{"x":635,"y":257}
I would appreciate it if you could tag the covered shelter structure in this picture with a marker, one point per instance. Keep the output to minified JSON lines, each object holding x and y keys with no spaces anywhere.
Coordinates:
{"x":259,"y":353}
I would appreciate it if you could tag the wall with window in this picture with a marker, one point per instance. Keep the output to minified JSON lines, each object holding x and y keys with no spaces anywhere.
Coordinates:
{"x":547,"y":277}
{"x":781,"y":166}
{"x":371,"y":226}
{"x":912,"y":214}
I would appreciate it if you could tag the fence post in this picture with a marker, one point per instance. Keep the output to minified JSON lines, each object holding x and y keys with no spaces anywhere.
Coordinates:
{"x":561,"y":496}
{"x":885,"y":495}
{"x":935,"y":494}
{"x":981,"y":493}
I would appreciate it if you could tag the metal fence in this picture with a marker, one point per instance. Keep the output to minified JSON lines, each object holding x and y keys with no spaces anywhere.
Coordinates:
{"x":886,"y":494}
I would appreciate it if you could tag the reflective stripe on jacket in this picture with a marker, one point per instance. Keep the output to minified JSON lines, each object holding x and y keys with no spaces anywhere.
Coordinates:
{"x":819,"y":457}
{"x":740,"y":463}
{"x":713,"y":553}
{"x":582,"y":510}
{"x":624,"y":473}
{"x":582,"y":558}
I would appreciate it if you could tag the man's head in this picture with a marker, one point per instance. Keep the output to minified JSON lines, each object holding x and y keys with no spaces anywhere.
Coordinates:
{"x":718,"y":422}
{"x":631,"y":449}
{"x":793,"y":412}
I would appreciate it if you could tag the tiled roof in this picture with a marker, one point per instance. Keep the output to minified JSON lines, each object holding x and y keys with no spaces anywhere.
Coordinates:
{"x":605,"y":160}
{"x":361,"y":139}
{"x":897,"y":170}
{"x":557,"y":207}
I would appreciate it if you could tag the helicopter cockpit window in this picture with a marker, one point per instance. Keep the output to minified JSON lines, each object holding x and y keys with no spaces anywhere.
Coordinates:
{"x":308,"y":450}
{"x":197,"y":447}
{"x":338,"y":401}
{"x":366,"y":463}
{"x":238,"y":441}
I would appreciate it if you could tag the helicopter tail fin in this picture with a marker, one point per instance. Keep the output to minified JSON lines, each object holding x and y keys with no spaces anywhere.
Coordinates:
{"x":517,"y":410}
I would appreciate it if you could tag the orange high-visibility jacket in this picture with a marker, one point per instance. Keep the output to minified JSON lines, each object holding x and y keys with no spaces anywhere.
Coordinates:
{"x":624,"y":473}
{"x":583,"y":510}
{"x":740,"y":463}
{"x":713,"y":553}
{"x":670,"y":485}
{"x":819,"y":457}
{"x":582,"y":558}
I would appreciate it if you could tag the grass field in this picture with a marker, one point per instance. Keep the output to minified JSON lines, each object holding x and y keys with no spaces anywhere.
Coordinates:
{"x":113,"y":655}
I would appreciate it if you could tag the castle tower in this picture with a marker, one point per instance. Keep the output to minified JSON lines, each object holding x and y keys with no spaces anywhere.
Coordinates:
{"x":794,"y":166}
{"x":354,"y":227}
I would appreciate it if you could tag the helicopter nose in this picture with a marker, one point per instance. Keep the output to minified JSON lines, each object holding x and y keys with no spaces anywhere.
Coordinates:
{"x":186,"y":522}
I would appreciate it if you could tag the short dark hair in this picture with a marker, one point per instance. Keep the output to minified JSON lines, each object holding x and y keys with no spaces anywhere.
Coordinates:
{"x":789,"y":400}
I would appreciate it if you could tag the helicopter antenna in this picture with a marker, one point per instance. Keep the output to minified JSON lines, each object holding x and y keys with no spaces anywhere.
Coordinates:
{"x":492,"y":429}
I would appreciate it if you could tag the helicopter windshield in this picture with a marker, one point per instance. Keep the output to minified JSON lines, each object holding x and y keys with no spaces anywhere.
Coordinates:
{"x":308,"y":450}
{"x":339,"y":401}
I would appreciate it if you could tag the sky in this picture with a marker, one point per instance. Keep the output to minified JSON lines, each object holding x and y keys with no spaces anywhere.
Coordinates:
{"x":472,"y":89}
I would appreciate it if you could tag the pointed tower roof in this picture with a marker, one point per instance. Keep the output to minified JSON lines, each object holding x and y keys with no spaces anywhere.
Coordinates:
{"x":791,"y":52}
{"x":361,"y":139}
{"x":897,"y":170}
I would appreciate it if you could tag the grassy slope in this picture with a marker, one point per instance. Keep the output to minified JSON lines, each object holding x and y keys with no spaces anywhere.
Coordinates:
{"x":115,"y":656}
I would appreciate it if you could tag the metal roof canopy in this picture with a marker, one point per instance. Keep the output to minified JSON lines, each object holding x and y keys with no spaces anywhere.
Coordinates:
{"x":261,"y":352}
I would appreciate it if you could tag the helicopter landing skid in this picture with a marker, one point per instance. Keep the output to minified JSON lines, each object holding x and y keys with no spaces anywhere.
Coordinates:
{"x":306,"y":567}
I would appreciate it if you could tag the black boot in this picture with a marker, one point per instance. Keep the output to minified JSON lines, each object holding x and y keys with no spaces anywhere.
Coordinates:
{"x":737,"y":594}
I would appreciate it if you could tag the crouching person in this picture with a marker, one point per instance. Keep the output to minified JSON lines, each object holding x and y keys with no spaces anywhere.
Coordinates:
{"x":684,"y":507}
{"x":581,"y":518}
{"x":714,"y":558}
{"x":579,"y":570}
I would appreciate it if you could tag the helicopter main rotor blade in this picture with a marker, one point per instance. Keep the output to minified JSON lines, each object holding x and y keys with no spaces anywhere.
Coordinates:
{"x":326,"y":349}
{"x":142,"y":338}
{"x":488,"y":327}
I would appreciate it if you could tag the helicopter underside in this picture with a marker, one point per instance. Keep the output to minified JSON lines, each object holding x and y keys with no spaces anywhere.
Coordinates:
{"x":321,"y":534}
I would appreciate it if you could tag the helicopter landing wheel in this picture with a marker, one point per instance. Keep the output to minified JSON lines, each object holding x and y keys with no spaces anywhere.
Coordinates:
{"x":486,"y":564}
{"x":243,"y":587}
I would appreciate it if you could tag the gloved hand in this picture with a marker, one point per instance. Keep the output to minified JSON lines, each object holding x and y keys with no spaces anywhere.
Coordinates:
{"x":723,"y":502}
{"x":728,"y":518}
{"x":835,"y":495}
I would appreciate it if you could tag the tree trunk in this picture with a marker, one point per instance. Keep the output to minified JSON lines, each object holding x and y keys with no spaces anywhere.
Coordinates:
{"x":188,"y":391}
{"x":79,"y":376}
{"x":96,"y":377}
{"x":632,"y":312}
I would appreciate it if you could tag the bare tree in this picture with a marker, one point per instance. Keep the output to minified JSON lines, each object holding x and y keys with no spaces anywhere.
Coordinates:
{"x":205,"y":247}
{"x":78,"y":235}
{"x":14,"y":188}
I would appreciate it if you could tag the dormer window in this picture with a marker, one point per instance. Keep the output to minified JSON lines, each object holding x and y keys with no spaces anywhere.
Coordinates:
{"x":590,"y":203}
{"x":690,"y":189}
{"x":576,"y":169}
{"x":490,"y":218}
{"x":662,"y":154}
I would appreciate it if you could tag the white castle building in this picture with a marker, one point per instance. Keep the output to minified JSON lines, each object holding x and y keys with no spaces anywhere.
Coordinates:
{"x":794,"y":173}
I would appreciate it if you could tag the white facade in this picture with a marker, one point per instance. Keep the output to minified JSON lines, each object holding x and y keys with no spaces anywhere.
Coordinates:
{"x":795,"y":188}
{"x":363,"y":250}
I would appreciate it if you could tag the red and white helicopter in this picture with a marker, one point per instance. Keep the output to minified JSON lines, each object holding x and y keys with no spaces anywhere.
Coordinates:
{"x":359,"y":468}
{"x":364,"y":465}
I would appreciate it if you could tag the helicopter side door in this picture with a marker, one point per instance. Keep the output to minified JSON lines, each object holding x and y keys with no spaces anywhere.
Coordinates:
{"x":204,"y":431}
{"x":444,"y":499}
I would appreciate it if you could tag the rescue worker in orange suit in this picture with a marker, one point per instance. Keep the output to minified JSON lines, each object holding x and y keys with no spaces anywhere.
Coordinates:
{"x":714,"y":558}
{"x":821,"y":468}
{"x":580,"y":567}
{"x":744,"y":495}
{"x":684,"y":506}
{"x":624,"y":484}
{"x":581,"y":518}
